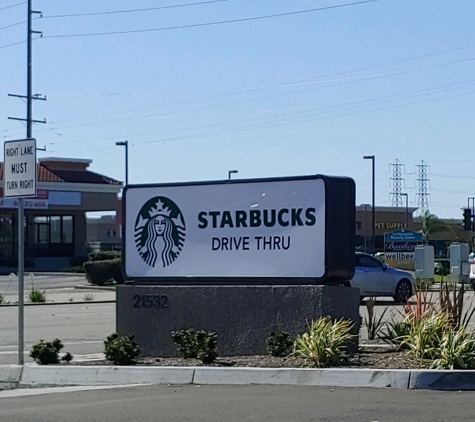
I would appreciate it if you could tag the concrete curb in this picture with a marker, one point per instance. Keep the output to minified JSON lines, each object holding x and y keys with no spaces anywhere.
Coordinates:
{"x":10,"y":376}
{"x":36,"y":376}
{"x":14,"y":376}
{"x":338,"y":377}
{"x":442,"y":380}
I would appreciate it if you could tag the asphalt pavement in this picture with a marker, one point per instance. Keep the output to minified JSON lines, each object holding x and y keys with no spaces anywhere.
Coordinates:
{"x":233,"y":404}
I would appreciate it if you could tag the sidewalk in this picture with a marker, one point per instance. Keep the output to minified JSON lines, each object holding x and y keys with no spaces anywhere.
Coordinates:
{"x":77,"y":294}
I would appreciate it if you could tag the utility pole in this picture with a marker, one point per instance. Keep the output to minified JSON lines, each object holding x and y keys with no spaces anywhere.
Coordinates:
{"x":21,"y":206}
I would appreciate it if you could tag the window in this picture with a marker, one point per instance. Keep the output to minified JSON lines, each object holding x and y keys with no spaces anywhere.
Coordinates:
{"x":54,"y":229}
{"x":367,"y":261}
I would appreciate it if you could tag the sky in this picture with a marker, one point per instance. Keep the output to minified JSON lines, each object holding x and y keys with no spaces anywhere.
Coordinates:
{"x":266,"y":87}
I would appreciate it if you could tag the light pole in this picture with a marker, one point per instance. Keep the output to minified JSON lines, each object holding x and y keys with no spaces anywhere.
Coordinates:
{"x":365,"y":227}
{"x":126,"y":145}
{"x":231,"y":172}
{"x":373,"y":223}
{"x":407,"y":211}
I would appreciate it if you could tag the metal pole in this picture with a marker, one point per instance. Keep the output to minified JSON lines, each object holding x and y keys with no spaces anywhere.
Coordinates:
{"x":407,"y":214}
{"x":126,"y":163}
{"x":407,"y":210}
{"x":365,"y":229}
{"x":373,"y":219}
{"x":21,"y":285}
{"x":21,"y":210}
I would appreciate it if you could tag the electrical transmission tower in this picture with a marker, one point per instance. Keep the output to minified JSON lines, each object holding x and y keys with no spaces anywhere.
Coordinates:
{"x":397,"y":182}
{"x":422,"y":185}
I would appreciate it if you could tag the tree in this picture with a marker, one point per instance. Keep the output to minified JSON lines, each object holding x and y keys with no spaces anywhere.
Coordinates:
{"x":432,"y":224}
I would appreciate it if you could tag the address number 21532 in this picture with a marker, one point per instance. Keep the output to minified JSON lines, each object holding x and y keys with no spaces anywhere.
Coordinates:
{"x":150,"y":301}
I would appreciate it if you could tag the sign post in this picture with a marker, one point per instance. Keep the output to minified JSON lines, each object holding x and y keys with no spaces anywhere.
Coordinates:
{"x":19,"y":181}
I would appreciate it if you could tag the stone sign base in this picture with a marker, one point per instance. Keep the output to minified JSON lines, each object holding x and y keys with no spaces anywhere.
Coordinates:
{"x":242,"y":316}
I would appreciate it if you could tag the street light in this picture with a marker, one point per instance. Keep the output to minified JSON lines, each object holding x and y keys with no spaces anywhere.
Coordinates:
{"x":126,"y":145}
{"x":407,"y":212}
{"x":231,"y":172}
{"x":373,"y":237}
{"x":365,"y":227}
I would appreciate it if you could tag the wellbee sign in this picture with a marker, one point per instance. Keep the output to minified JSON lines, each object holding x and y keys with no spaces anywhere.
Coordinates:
{"x":265,"y":228}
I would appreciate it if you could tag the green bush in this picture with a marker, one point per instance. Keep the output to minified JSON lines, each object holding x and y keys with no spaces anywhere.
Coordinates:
{"x":37,"y":296}
{"x":396,"y":331}
{"x":121,"y":349}
{"x":2,"y":298}
{"x":279,"y":344}
{"x":75,"y":269}
{"x":104,"y":272}
{"x":199,"y":344}
{"x":456,"y":350}
{"x":424,"y":283}
{"x":47,"y":352}
{"x":325,"y":341}
{"x":104,"y":255}
{"x":424,"y":337}
{"x":78,"y":260}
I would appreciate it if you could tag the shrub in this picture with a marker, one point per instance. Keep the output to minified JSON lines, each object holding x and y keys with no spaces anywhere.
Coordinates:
{"x":47,"y":352}
{"x":396,"y":331}
{"x":104,"y":272}
{"x":76,"y":269}
{"x":121,"y":349}
{"x":78,"y":260}
{"x":325,"y":341}
{"x":451,"y":302}
{"x":456,"y":350}
{"x":279,"y":344}
{"x":2,"y":298}
{"x":373,"y":323}
{"x":37,"y":296}
{"x":200,"y":344}
{"x":425,"y":335}
{"x":104,"y":255}
{"x":424,"y":283}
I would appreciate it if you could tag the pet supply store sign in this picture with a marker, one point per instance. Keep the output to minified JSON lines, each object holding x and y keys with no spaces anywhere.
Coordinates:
{"x":253,"y":228}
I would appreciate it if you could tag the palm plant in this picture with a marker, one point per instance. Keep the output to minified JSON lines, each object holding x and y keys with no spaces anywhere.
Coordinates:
{"x":432,"y":224}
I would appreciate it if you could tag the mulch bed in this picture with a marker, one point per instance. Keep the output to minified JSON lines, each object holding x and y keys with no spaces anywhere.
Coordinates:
{"x":368,"y":357}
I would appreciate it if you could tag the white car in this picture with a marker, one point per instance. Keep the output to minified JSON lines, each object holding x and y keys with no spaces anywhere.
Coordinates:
{"x":374,"y":278}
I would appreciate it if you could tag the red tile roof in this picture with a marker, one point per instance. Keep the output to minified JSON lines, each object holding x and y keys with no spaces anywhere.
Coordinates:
{"x":69,"y":176}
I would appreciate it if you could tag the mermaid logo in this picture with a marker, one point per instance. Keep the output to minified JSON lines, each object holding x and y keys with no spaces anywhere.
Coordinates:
{"x":159,"y":231}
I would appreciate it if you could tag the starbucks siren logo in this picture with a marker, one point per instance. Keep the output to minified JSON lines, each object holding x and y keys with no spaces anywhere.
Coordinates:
{"x":159,"y":231}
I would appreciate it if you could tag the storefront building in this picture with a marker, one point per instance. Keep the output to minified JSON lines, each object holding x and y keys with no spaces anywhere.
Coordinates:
{"x":389,"y":219}
{"x":55,"y":220}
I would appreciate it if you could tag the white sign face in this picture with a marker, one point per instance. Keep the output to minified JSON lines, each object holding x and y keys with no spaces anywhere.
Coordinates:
{"x":19,"y":172}
{"x":258,"y":229}
{"x":404,"y":256}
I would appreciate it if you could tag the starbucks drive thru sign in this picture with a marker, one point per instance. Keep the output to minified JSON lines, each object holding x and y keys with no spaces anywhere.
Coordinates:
{"x":19,"y":172}
{"x":293,"y":228}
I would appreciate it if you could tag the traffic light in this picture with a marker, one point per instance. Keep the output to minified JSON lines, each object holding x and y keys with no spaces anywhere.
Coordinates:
{"x":467,"y":219}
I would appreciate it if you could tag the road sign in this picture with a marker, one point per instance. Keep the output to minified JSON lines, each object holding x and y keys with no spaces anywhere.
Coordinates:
{"x":403,"y":236}
{"x":19,"y":173}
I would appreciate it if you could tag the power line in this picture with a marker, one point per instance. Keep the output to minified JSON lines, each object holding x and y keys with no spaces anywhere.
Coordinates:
{"x":196,"y":25}
{"x":13,"y":5}
{"x":18,"y":23}
{"x":12,"y":25}
{"x":11,"y":45}
{"x":148,"y":9}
